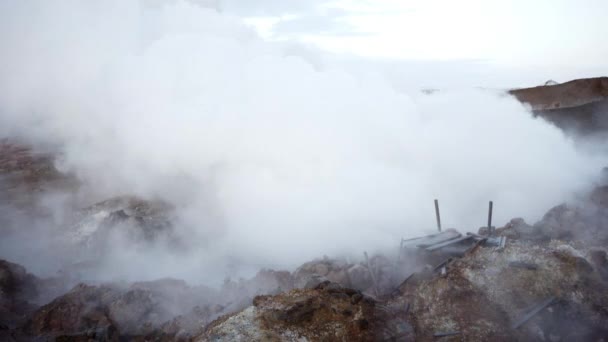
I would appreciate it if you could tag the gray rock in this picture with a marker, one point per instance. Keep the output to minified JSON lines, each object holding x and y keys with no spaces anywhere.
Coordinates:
{"x":321,"y":269}
{"x":313,"y":281}
{"x":360,"y":277}
{"x":340,"y":277}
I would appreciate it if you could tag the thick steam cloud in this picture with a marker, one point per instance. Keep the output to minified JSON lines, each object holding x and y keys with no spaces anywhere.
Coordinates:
{"x":269,"y":159}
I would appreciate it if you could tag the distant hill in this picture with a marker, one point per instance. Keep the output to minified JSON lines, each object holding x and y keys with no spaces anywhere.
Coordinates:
{"x":579,"y":106}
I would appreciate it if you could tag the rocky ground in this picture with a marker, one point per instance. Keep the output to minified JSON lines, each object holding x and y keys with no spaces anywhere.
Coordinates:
{"x":478,"y":296}
{"x":548,"y":281}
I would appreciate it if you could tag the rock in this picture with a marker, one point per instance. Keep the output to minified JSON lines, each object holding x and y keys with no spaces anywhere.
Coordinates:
{"x":480,"y":292}
{"x":509,"y":230}
{"x":584,"y":220}
{"x":569,"y":250}
{"x":298,"y":312}
{"x":312,"y":273}
{"x":340,"y":277}
{"x":306,"y":315}
{"x":557,"y":222}
{"x":113,"y":311}
{"x":136,"y":220}
{"x":184,"y":327}
{"x":305,"y":277}
{"x":75,"y":312}
{"x":19,"y":294}
{"x":600,"y":262}
{"x":598,"y":257}
{"x":16,"y":283}
{"x":314,"y":281}
{"x":264,"y":282}
{"x":599,"y":196}
{"x":136,"y":309}
{"x":483,"y":231}
{"x":356,"y":298}
{"x":359,"y":277}
{"x":338,"y":264}
{"x":321,"y":269}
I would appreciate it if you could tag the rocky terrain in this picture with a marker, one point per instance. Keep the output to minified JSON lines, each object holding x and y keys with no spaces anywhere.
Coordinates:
{"x":479,"y":295}
{"x":543,"y":281}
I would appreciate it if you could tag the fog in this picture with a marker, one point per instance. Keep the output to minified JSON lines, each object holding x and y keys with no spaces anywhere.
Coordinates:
{"x":269,"y":156}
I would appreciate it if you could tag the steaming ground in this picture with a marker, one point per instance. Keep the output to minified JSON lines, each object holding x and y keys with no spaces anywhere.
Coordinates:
{"x":268,"y":160}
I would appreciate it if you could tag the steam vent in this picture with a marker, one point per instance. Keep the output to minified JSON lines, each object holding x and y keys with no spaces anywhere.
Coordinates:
{"x":306,"y":171}
{"x":517,"y":281}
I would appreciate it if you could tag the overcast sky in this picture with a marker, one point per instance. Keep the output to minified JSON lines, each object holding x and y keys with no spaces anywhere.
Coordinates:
{"x":560,"y":33}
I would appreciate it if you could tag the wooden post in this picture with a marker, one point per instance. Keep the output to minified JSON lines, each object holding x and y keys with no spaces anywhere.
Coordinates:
{"x":437,"y":215}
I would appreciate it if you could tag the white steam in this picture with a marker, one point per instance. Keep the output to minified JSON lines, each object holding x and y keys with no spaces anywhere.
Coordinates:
{"x":268,"y":160}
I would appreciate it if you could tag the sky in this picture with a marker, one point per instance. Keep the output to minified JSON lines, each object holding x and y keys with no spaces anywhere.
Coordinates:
{"x":565,"y":37}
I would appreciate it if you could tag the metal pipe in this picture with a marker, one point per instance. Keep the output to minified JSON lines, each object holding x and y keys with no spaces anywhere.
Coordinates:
{"x":538,"y":308}
{"x":437,"y":215}
{"x":490,"y":230}
{"x":446,"y":333}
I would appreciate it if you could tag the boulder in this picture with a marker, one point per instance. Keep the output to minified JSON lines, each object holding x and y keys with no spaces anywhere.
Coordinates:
{"x":113,"y":311}
{"x":18,"y":294}
{"x":326,"y":313}
{"x":359,"y":277}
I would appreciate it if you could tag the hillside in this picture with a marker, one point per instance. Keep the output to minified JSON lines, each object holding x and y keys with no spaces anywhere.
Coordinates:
{"x":579,"y":106}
